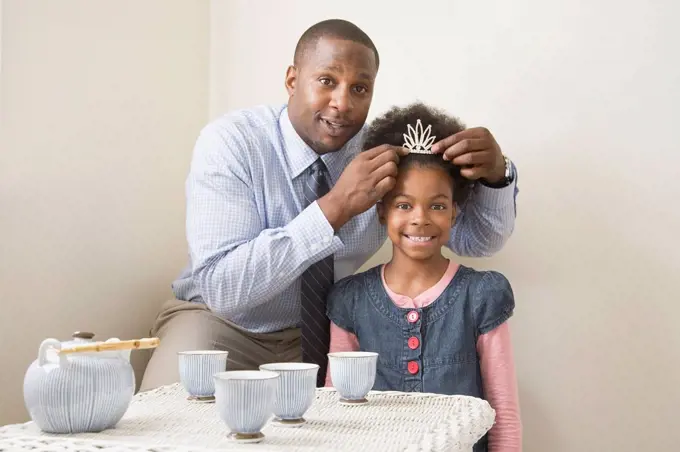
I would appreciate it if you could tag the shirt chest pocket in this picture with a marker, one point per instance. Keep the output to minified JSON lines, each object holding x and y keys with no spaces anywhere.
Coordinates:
{"x":452,"y":358}
{"x":452,"y":367}
{"x":453,"y":378}
{"x":449,"y":344}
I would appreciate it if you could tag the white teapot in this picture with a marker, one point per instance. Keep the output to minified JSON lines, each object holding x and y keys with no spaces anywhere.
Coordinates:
{"x":80,"y":385}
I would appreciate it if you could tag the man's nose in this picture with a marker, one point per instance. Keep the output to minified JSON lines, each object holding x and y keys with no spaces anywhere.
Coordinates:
{"x":341,"y":99}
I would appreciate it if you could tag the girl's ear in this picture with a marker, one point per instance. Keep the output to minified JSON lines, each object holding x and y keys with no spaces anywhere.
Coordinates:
{"x":380,"y":206}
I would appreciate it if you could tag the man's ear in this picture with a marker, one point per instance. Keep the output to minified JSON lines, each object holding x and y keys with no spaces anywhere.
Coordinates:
{"x":291,"y":79}
{"x":380,"y":206}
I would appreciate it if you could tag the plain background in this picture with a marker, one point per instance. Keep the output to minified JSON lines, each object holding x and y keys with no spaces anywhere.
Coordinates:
{"x":101,"y":103}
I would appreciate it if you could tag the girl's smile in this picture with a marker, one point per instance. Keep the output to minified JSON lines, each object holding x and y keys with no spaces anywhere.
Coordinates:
{"x":419,"y":212}
{"x":419,"y":238}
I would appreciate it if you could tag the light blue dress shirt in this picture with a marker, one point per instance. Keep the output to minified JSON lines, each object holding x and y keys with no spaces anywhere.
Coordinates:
{"x":249,"y":238}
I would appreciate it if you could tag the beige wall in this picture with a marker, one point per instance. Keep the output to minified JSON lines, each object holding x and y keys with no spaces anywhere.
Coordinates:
{"x":101,"y":104}
{"x":584,"y":97}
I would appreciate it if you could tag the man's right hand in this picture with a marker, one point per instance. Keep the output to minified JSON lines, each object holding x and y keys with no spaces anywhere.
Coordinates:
{"x":362,"y":184}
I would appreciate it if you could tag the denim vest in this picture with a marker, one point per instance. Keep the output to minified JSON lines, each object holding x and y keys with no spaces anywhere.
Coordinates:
{"x":432,"y":349}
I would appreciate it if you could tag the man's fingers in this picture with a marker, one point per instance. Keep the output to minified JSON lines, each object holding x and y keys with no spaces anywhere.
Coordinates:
{"x":386,"y":156}
{"x":399,"y":150}
{"x":402,"y":151}
{"x":373,"y":152}
{"x":384,"y":186}
{"x":389,"y":169}
{"x":474,"y":158}
{"x":442,"y":145}
{"x":472,"y":173}
{"x":472,"y":133}
{"x":466,"y":145}
{"x":379,"y":150}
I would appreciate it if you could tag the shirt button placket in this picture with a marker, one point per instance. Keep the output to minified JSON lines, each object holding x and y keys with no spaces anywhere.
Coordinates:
{"x":413,"y":343}
{"x":412,"y":316}
{"x":413,"y":367}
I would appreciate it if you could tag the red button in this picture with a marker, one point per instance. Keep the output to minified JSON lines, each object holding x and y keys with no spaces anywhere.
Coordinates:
{"x":413,"y":367}
{"x":413,"y":343}
{"x":412,"y":316}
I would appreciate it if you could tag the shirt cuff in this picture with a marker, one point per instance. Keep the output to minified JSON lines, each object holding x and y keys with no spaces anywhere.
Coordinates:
{"x":315,"y":233}
{"x":494,"y":198}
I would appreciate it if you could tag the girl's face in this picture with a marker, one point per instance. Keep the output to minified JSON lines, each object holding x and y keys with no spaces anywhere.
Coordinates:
{"x":419,"y":212}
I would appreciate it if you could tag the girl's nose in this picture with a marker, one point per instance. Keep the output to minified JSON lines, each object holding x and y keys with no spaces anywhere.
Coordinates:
{"x":419,"y":217}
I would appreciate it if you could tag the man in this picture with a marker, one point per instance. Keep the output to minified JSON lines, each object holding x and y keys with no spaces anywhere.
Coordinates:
{"x":280,"y":204}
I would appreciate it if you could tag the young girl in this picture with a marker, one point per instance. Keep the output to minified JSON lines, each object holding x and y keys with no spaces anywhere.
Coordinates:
{"x":437,"y":326}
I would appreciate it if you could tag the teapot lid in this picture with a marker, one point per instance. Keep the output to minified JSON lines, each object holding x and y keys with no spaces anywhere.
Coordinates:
{"x":83,"y":342}
{"x":82,"y":335}
{"x":79,"y":337}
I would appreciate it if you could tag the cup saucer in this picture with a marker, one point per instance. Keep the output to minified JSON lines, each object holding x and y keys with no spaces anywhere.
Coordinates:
{"x":288,"y":422}
{"x":198,"y":399}
{"x":246,"y":438}
{"x":354,"y":402}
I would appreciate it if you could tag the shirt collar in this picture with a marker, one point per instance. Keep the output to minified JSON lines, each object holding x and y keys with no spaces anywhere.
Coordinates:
{"x":300,"y":156}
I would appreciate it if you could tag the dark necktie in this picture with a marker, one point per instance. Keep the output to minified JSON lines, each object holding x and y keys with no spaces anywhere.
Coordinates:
{"x":316,"y":282}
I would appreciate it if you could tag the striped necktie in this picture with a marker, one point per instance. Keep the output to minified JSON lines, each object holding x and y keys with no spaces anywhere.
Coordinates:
{"x":316,"y":282}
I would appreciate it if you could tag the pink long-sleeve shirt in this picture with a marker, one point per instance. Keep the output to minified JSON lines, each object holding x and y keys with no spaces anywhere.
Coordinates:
{"x":496,"y":364}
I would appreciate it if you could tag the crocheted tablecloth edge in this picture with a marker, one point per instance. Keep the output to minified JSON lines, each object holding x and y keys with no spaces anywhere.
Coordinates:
{"x":17,"y":432}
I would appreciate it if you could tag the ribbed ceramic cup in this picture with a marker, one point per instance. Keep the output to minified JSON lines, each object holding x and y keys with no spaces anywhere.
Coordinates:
{"x":196,"y":371}
{"x":295,"y":390}
{"x":353,"y":374}
{"x":245,"y":401}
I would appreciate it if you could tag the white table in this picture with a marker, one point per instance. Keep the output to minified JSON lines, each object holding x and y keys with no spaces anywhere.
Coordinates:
{"x":163,"y":420}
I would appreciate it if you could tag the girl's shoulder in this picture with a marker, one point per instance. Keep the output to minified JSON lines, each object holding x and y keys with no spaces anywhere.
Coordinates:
{"x":490,"y":296}
{"x":350,"y":285}
{"x":357,"y":279}
{"x":343,"y":296}
{"x":485,"y":280}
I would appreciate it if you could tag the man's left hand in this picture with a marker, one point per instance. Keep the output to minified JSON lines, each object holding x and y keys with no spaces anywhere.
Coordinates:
{"x":476,"y":152}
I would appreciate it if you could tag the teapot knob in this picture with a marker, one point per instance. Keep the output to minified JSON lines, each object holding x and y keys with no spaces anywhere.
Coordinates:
{"x":82,"y":335}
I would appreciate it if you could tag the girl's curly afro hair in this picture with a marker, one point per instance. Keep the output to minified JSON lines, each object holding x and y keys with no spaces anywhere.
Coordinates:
{"x":391,"y":126}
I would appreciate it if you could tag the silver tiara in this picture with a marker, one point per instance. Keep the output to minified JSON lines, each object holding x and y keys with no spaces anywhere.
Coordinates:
{"x":418,"y":140}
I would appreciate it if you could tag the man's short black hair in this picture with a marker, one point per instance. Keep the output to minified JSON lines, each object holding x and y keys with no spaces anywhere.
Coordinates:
{"x":393,"y":124}
{"x":333,"y":28}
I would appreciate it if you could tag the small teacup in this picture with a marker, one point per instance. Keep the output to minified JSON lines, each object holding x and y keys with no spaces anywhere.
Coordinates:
{"x":295,"y":392}
{"x":196,"y":370}
{"x":245,"y":401}
{"x":353,"y":375}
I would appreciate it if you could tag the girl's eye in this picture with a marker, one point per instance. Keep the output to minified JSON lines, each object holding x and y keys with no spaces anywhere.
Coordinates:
{"x":402,"y":206}
{"x":439,"y":207}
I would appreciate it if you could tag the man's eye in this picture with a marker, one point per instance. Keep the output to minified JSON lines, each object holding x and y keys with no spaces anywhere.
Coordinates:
{"x":325,"y":81}
{"x":361,"y":89}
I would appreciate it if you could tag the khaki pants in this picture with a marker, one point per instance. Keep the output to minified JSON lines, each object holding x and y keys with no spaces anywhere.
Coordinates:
{"x":184,"y":326}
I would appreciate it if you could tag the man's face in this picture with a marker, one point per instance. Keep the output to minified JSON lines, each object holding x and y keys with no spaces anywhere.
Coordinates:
{"x":330,"y":92}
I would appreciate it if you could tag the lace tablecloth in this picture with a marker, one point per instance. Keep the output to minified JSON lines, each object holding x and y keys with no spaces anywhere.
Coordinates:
{"x":163,"y":420}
